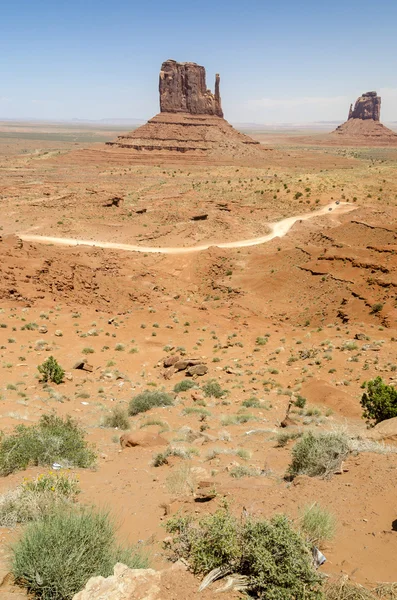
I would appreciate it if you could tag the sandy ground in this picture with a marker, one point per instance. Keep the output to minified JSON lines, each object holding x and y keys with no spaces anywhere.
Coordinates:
{"x":309,"y":291}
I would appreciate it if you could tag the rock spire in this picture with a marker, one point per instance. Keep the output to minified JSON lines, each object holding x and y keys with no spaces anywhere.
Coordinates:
{"x":183,"y":88}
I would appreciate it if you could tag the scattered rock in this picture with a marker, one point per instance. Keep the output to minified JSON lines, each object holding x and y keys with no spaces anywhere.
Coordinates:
{"x":124,"y":584}
{"x":43,"y":329}
{"x":82,"y":364}
{"x":360,"y":336}
{"x":205,"y":491}
{"x":58,"y":333}
{"x":184,"y":363}
{"x":141,"y":438}
{"x":202,"y":217}
{"x":169,"y":361}
{"x":116,"y":201}
{"x":196,"y":395}
{"x":199,"y":370}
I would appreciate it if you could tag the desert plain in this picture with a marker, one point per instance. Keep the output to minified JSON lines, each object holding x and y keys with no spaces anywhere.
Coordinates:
{"x":303,"y":319}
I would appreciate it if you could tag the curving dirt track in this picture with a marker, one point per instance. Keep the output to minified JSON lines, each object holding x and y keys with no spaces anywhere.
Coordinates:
{"x":278,"y":229}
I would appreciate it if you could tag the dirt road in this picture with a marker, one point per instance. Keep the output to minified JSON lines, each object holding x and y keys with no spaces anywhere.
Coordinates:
{"x":278,"y":229}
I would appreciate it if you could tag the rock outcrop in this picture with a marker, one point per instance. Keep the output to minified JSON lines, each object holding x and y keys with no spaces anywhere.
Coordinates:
{"x":366,"y":107}
{"x":183,"y":88}
{"x":363,"y":127}
{"x":190,"y":123}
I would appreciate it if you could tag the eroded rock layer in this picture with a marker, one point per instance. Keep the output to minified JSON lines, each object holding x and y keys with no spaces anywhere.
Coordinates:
{"x":190,"y":122}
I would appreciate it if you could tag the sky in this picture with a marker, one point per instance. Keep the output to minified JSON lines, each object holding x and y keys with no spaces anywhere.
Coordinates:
{"x":280,"y":61}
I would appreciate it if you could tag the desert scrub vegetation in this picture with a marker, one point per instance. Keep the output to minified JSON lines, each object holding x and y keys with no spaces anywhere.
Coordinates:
{"x":318,"y":454}
{"x":317,"y":524}
{"x":52,"y":439}
{"x":283,"y":437}
{"x":212,"y":389}
{"x":379,"y":401}
{"x":275,"y":559}
{"x":118,"y":419}
{"x":184,"y":453}
{"x":55,"y":557}
{"x":36,"y":498}
{"x":147,"y":400}
{"x":50,"y":370}
{"x":184,"y":385}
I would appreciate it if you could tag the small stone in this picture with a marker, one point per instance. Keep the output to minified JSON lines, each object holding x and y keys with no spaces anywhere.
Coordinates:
{"x":43,"y":329}
{"x":58,"y":333}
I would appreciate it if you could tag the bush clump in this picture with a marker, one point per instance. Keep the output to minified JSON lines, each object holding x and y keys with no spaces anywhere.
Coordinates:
{"x":275,"y":559}
{"x":379,"y":401}
{"x":37,"y":498}
{"x":52,"y":439}
{"x":55,"y":557}
{"x":212,"y":389}
{"x":147,"y":400}
{"x":118,"y":418}
{"x":50,"y":370}
{"x":184,"y":385}
{"x":318,"y":455}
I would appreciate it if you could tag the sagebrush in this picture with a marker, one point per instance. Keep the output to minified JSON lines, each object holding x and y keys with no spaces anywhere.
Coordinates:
{"x":52,"y":439}
{"x":56,"y":556}
{"x":318,"y":454}
{"x":147,"y":400}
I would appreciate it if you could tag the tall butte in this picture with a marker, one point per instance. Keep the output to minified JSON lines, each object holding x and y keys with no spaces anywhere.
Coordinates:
{"x":363,"y":125}
{"x":190,"y":122}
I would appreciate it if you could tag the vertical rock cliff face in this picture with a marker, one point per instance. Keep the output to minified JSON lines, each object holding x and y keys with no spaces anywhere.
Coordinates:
{"x":183,"y":88}
{"x":366,"y":107}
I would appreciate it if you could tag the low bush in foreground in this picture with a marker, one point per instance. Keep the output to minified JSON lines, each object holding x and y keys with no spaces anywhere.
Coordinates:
{"x":147,"y":400}
{"x":379,"y":401}
{"x":275,"y":559}
{"x":52,"y":439}
{"x":37,"y":498}
{"x":317,"y":524}
{"x":318,"y":455}
{"x":56,"y":556}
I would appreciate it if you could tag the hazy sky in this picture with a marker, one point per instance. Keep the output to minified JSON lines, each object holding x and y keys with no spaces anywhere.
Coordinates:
{"x":279,"y":60}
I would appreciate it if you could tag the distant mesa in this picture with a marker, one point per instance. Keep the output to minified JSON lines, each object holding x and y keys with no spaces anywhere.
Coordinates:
{"x":363,"y":125}
{"x":190,"y":121}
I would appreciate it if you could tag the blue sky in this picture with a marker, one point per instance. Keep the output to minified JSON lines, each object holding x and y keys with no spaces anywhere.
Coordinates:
{"x":280,"y":60}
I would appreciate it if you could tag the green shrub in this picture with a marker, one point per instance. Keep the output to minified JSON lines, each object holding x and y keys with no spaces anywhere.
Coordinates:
{"x":36,"y":498}
{"x":283,"y":437}
{"x":275,"y":559}
{"x":317,"y":524}
{"x":56,"y":556}
{"x":300,"y":401}
{"x":251,"y":403}
{"x":50,"y":370}
{"x":147,"y":400}
{"x":318,"y":455}
{"x":117,"y":418}
{"x":379,"y":401}
{"x":212,"y":389}
{"x":52,"y":439}
{"x":376,"y":308}
{"x":184,"y":385}
{"x":240,"y":471}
